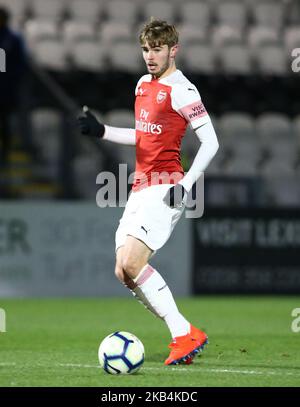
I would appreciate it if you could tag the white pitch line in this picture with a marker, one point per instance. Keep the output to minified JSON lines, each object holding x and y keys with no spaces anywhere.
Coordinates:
{"x":201,"y":369}
{"x":178,"y":369}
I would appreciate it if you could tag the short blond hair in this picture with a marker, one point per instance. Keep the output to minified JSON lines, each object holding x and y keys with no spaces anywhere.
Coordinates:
{"x":159,"y":32}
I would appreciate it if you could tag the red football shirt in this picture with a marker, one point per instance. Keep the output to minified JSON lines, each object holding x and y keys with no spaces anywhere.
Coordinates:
{"x":163,"y":109}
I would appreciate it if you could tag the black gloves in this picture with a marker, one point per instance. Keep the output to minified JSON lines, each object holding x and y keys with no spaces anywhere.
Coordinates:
{"x":175,"y":196}
{"x":89,"y":125}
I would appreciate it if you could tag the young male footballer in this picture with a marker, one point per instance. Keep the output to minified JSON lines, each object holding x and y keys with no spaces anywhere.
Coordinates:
{"x":166,"y":102}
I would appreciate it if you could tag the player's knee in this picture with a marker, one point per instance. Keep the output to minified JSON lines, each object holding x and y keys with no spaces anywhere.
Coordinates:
{"x":131,"y":267}
{"x":124,"y":278}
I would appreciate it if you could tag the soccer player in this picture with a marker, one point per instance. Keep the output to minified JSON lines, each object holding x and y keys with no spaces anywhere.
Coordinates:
{"x":166,"y":102}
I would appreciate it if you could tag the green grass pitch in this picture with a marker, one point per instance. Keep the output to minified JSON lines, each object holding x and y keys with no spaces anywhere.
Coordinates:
{"x":54,"y":342}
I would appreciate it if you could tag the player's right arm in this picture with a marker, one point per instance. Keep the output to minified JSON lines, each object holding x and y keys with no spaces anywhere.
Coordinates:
{"x":90,"y":126}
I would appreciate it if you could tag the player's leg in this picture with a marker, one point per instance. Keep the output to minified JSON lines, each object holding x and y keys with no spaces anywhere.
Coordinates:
{"x":187,"y":340}
{"x":151,"y":284}
{"x":148,"y":286}
{"x":129,"y":283}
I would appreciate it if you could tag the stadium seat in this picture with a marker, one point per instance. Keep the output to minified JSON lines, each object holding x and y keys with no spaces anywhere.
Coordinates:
{"x":121,"y":11}
{"x":159,"y":9}
{"x":272,"y":60}
{"x":191,"y":33}
{"x":282,"y":157}
{"x":126,"y":56}
{"x":78,"y":30}
{"x":195,"y":13}
{"x":268,"y":13}
{"x":112,"y":31}
{"x":231,"y":13}
{"x":292,"y":38}
{"x":271,"y":129}
{"x":236,"y":59}
{"x":36,"y":30}
{"x":87,"y":10}
{"x":260,"y":35}
{"x":199,"y":57}
{"x":88,"y":56}
{"x":235,"y":126}
{"x":225,"y":34}
{"x":51,"y":54}
{"x":45,"y":9}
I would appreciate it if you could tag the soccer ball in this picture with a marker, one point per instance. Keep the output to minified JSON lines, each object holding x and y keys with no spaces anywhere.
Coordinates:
{"x":121,"y":353}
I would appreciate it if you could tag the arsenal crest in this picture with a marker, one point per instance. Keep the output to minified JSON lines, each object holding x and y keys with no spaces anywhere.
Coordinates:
{"x":161,"y":96}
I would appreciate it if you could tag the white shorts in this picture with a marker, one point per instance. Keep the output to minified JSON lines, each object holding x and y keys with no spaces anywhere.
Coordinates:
{"x":148,"y":218}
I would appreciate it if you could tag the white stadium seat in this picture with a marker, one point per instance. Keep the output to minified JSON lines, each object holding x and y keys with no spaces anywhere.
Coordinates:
{"x":232,"y":13}
{"x":199,"y":58}
{"x":40,"y":29}
{"x":78,"y":30}
{"x":292,"y":38}
{"x":268,"y":13}
{"x":197,"y":13}
{"x":51,"y":54}
{"x":88,"y":55}
{"x":240,"y":144}
{"x":112,"y":31}
{"x":87,"y":10}
{"x":236,"y":59}
{"x":121,"y":11}
{"x":272,"y":59}
{"x":234,"y":124}
{"x":272,"y":127}
{"x":191,"y":33}
{"x":260,"y":35}
{"x":126,"y":56}
{"x":53,"y":9}
{"x":226,"y":34}
{"x":159,"y":9}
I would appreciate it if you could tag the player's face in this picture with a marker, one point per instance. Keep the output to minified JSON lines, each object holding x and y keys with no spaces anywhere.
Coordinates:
{"x":158,"y":59}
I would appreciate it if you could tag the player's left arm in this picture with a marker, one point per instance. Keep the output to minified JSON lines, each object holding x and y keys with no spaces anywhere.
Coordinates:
{"x":208,"y":148}
{"x":187,"y":102}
